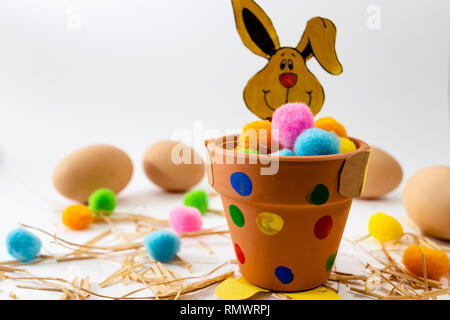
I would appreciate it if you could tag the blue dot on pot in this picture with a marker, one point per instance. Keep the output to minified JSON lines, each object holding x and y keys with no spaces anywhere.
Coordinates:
{"x":284,"y":274}
{"x":241,"y":183}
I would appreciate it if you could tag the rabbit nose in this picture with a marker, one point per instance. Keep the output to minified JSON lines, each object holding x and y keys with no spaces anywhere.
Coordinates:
{"x":288,"y":79}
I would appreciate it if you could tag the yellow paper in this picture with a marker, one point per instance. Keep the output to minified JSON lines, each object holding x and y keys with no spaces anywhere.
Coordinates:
{"x":320,"y":293}
{"x":237,"y":289}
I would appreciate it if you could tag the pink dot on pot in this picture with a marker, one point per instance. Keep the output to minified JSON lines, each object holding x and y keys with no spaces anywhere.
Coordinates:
{"x":185,"y":219}
{"x":239,"y":254}
{"x":323,"y":227}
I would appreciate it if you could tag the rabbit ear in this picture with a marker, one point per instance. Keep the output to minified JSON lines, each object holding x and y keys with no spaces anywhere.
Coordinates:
{"x":318,"y":40}
{"x":255,"y":28}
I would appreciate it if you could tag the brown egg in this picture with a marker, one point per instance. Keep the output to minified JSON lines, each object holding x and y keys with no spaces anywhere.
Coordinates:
{"x":426,"y":198}
{"x":384,"y":174}
{"x":164,"y":166}
{"x":87,"y":169}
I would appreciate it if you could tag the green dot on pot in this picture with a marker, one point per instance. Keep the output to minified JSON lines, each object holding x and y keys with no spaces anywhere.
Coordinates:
{"x":319,"y":195}
{"x":330,"y":261}
{"x":236,"y":215}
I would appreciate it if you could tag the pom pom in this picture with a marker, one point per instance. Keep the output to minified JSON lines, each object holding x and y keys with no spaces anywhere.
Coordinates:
{"x":162,"y":245}
{"x":384,"y":228}
{"x":316,"y":142}
{"x":77,"y":217}
{"x":23,"y":245}
{"x":255,"y":133}
{"x":291,"y":119}
{"x":346,"y":145}
{"x":283,"y":153}
{"x":102,"y":200}
{"x":247,"y":151}
{"x":185,"y":219}
{"x":197,"y":199}
{"x":436,"y":261}
{"x":330,"y":124}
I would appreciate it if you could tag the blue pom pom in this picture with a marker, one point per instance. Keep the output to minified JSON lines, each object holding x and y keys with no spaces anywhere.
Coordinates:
{"x":23,"y":245}
{"x":162,"y":245}
{"x":316,"y":142}
{"x":283,"y":153}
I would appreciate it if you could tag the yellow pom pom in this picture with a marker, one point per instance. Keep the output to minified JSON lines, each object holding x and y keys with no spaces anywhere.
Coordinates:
{"x":330,"y":124}
{"x":436,"y":261}
{"x":255,"y":133}
{"x":384,"y":228}
{"x":77,"y":217}
{"x":346,"y":145}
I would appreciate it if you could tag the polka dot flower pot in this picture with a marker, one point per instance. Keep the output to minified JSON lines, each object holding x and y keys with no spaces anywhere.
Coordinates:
{"x":286,"y":227}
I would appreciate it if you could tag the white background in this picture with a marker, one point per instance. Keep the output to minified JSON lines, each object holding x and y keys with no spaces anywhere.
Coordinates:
{"x":130,"y":73}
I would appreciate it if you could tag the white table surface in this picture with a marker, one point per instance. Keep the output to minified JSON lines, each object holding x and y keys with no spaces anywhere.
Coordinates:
{"x":32,"y":206}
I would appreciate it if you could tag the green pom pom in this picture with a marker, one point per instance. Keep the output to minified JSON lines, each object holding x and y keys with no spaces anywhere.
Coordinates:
{"x":197,"y":199}
{"x":251,"y":151}
{"x":103,"y":200}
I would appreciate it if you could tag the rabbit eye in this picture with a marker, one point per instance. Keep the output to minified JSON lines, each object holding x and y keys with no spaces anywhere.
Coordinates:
{"x":283,"y":64}
{"x":290,"y":64}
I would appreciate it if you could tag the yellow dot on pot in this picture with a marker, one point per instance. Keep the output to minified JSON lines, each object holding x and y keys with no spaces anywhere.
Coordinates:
{"x":269,"y":223}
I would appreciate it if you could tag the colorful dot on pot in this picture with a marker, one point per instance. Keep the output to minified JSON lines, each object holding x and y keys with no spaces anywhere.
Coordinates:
{"x":239,"y":254}
{"x":241,"y":183}
{"x":323,"y":227}
{"x":319,"y":195}
{"x":284,"y":274}
{"x":330,"y":262}
{"x":236,"y":215}
{"x":269,"y":223}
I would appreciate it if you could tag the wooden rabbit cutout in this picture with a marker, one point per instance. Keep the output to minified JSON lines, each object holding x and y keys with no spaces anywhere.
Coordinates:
{"x":285,"y":78}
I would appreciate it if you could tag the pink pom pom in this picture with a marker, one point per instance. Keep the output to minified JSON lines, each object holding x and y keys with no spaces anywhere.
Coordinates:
{"x":185,"y":219}
{"x":291,"y":119}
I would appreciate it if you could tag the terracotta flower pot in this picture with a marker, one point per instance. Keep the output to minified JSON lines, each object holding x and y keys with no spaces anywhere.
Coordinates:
{"x":286,"y":227}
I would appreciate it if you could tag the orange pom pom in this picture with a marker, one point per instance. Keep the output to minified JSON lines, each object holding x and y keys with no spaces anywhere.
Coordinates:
{"x":330,"y":124}
{"x":436,"y":261}
{"x":256,"y":133}
{"x":77,"y":217}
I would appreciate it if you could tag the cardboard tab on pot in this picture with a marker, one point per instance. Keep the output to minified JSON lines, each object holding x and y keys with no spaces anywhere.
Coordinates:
{"x":209,"y":170}
{"x":353,"y":173}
